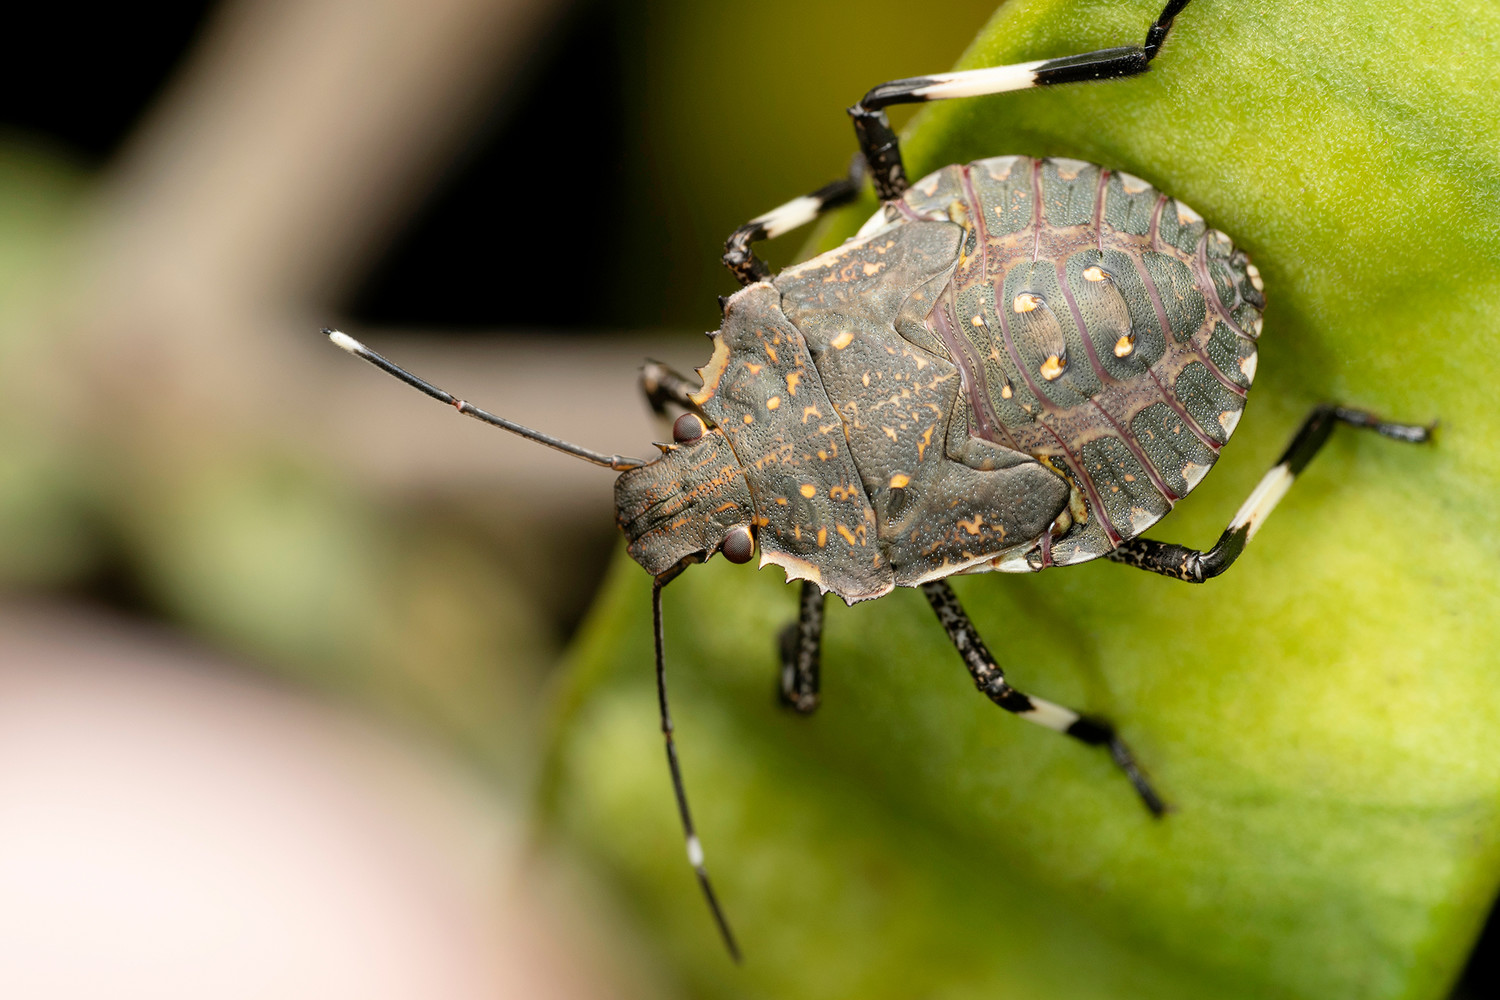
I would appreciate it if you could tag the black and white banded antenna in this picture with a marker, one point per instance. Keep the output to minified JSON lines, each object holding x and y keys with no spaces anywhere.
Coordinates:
{"x":620,"y":463}
{"x":690,"y":835}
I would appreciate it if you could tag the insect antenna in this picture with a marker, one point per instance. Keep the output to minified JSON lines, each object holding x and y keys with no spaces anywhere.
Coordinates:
{"x":619,"y":463}
{"x":694,"y":848}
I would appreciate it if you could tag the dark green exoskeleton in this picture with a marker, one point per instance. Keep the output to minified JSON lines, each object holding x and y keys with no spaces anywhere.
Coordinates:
{"x":1016,"y":364}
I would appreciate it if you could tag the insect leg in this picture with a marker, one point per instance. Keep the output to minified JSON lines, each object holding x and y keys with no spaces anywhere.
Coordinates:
{"x":662,"y":385}
{"x":694,"y":848}
{"x":749,"y":268}
{"x":801,"y":649}
{"x":880,"y":147}
{"x":990,"y":679}
{"x":1183,"y":563}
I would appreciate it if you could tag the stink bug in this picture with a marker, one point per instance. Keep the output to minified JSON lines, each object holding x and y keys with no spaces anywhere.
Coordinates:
{"x":1016,"y":364}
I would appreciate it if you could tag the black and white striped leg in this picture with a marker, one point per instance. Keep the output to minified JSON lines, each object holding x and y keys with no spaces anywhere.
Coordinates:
{"x":882,"y":150}
{"x":990,"y":679}
{"x":694,"y":848}
{"x":1182,"y":563}
{"x":801,"y":652}
{"x":749,"y":268}
{"x":663,"y":385}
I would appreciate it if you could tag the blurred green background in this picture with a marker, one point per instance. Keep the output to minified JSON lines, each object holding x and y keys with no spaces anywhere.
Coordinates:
{"x":520,"y":199}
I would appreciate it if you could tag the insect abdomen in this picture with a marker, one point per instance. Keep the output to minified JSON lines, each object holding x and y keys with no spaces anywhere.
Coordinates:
{"x":1101,"y":327}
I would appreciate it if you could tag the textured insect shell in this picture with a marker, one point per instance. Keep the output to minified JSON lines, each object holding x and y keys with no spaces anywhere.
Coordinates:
{"x":682,"y":504}
{"x":1100,"y":326}
{"x":844,"y":426}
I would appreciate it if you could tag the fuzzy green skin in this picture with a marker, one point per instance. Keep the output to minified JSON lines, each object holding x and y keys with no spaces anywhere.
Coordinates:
{"x":1325,"y":717}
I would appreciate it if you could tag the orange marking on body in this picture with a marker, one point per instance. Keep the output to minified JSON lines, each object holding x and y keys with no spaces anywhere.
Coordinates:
{"x":890,"y":432}
{"x":793,"y":379}
{"x":899,"y":481}
{"x":807,"y":490}
{"x":747,"y":418}
{"x":842,"y":341}
{"x":771,"y":352}
{"x":922,"y":444}
{"x":872,"y":269}
{"x":848,"y":535}
{"x":972,"y":527}
{"x":822,"y":537}
{"x":773,"y":402}
{"x":809,"y":412}
{"x":753,"y":368}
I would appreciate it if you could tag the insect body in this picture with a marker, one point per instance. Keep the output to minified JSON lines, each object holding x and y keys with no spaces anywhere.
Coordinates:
{"x":1016,"y":364}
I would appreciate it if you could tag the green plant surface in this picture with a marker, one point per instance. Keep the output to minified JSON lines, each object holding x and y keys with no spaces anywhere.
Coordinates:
{"x":1325,"y":719}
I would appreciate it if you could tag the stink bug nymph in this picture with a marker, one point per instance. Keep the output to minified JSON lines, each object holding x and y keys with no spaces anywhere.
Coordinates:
{"x":1016,"y":364}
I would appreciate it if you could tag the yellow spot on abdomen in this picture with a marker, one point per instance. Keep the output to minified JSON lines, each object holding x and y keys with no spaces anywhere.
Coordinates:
{"x":747,"y":418}
{"x":1052,"y":367}
{"x":1095,"y":273}
{"x":842,"y":341}
{"x":808,"y":490}
{"x":899,"y":481}
{"x":773,"y":402}
{"x":1025,"y":302}
{"x":1006,"y":392}
{"x":1124,"y":346}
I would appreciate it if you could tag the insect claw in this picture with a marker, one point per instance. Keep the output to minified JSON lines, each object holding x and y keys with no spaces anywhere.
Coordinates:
{"x":1125,"y":760}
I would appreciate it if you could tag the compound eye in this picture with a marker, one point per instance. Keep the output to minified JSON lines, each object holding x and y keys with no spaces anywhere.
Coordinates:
{"x":739,"y":545}
{"x":687,"y":428}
